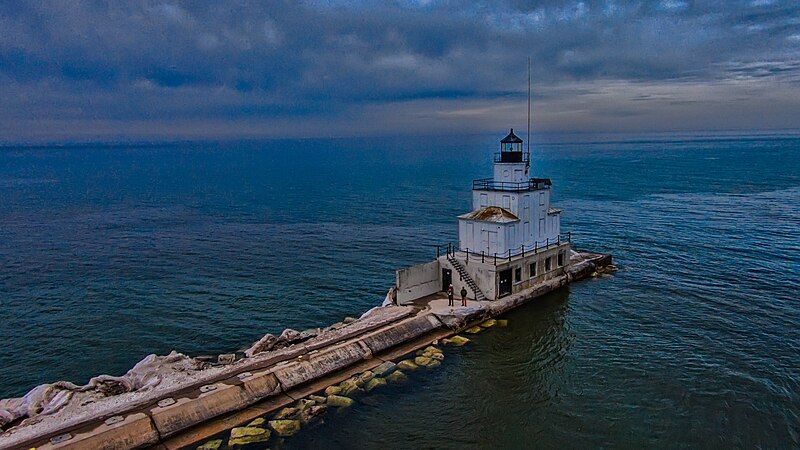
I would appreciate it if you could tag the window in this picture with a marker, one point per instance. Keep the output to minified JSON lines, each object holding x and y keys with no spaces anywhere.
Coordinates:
{"x":533,"y":270}
{"x":548,"y":263}
{"x":560,"y":259}
{"x":541,"y":198}
{"x":518,"y":274}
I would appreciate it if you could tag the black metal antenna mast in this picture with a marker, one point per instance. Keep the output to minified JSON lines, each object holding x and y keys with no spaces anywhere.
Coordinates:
{"x":529,"y":112}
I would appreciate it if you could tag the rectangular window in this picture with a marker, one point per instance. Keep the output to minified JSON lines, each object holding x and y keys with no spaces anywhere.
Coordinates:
{"x":541,"y":198}
{"x":518,"y":275}
{"x":560,"y":259}
{"x":484,"y":200}
{"x":548,"y":263}
{"x":533,"y":270}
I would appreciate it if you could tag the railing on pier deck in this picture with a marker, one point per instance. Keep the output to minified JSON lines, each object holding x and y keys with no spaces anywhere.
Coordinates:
{"x":496,"y":258}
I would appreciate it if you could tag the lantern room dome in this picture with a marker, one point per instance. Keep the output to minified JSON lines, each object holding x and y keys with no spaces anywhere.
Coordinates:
{"x":511,"y":138}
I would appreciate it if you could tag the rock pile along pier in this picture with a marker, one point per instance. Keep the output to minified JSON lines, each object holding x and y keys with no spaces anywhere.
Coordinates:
{"x":173,"y":401}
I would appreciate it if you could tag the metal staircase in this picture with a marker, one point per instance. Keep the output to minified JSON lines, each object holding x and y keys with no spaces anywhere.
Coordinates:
{"x":465,"y":276}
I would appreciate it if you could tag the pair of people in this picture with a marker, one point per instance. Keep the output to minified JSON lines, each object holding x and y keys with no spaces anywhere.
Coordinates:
{"x":450,"y":295}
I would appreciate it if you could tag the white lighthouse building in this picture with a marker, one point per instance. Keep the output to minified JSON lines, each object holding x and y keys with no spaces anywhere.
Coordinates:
{"x":509,"y":242}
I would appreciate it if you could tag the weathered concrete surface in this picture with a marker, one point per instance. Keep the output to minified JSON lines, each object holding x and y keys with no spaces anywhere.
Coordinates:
{"x":186,"y":412}
{"x":135,"y":430}
{"x":298,"y":370}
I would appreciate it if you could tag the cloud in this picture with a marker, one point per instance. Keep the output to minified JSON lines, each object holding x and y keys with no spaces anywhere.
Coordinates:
{"x":350,"y":67}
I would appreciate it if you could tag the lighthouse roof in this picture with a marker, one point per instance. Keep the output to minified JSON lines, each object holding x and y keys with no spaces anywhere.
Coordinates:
{"x":511,"y":138}
{"x":491,"y":214}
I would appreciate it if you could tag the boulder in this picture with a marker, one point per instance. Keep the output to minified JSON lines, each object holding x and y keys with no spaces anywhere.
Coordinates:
{"x":257,"y":423}
{"x":317,"y":398}
{"x":348,"y":320}
{"x":436,"y":356}
{"x":407,"y":365}
{"x":366,"y":377}
{"x":422,"y":360}
{"x":339,"y":401}
{"x":248,"y":435}
{"x":473,"y":330}
{"x":375,"y":383}
{"x":348,"y":386}
{"x":384,"y":369}
{"x":457,"y":341}
{"x":305,"y":403}
{"x":333,"y":390}
{"x":488,"y":323}
{"x":227,"y":358}
{"x":429,"y":350}
{"x":213,"y":444}
{"x":308,"y":414}
{"x":397,"y":377}
{"x":289,"y":336}
{"x":285,"y":428}
{"x":264,"y":344}
{"x":287,"y":412}
{"x":433,"y":363}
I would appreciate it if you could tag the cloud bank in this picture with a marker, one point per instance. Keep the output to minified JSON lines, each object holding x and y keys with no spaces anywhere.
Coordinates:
{"x":87,"y":70}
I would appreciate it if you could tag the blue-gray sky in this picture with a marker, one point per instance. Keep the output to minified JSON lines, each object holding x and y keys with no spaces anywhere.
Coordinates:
{"x":83,"y":70}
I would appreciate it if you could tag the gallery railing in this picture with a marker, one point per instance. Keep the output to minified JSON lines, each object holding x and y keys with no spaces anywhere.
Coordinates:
{"x":483,"y":256}
{"x":489,"y":184}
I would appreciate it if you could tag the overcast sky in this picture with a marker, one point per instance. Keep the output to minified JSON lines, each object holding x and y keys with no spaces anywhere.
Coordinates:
{"x":74,"y":70}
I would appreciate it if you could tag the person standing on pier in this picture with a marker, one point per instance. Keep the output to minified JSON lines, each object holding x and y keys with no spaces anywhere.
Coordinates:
{"x":463,"y":296}
{"x":450,"y":295}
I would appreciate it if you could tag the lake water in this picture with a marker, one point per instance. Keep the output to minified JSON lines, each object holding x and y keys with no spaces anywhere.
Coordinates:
{"x":108,"y":254}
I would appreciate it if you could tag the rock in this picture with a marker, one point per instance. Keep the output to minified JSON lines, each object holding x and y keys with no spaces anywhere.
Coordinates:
{"x":437,"y":356}
{"x":488,"y":323}
{"x":311,"y":332}
{"x":349,"y":320}
{"x":213,"y":444}
{"x":457,"y":341}
{"x":434,"y":363}
{"x":407,"y":365}
{"x":473,"y":330}
{"x":429,"y":350}
{"x":502,"y":322}
{"x":366,"y":377}
{"x":227,"y":358}
{"x":317,"y":398}
{"x":289,"y":336}
{"x":286,"y":413}
{"x":258,"y":422}
{"x":397,"y":377}
{"x":384,"y":369}
{"x":375,"y":383}
{"x":305,"y":403}
{"x":308,"y":414}
{"x":285,"y":428}
{"x":264,"y":344}
{"x":349,"y":386}
{"x":339,"y":401}
{"x":422,"y":360}
{"x":333,"y":390}
{"x":248,"y":435}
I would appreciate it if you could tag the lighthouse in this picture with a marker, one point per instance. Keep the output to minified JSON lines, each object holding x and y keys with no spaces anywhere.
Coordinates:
{"x":509,"y":242}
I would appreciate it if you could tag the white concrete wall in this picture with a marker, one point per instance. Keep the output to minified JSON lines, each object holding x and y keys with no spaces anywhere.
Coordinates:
{"x":489,"y":237}
{"x":534,"y":228}
{"x":510,"y":172}
{"x":417,"y":281}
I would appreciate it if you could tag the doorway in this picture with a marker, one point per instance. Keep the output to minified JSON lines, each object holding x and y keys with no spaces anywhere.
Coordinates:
{"x":447,"y":279}
{"x":505,"y":283}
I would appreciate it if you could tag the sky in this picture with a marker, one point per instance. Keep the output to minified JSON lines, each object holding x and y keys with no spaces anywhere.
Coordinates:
{"x":154,"y":70}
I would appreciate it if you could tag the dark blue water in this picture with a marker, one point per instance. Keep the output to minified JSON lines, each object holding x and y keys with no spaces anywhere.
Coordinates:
{"x":110,"y":253}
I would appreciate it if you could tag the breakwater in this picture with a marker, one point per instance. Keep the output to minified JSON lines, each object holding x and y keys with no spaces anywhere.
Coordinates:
{"x":170,"y":400}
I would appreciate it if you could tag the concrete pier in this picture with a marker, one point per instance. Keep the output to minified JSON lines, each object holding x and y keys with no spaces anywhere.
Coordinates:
{"x":214,"y":399}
